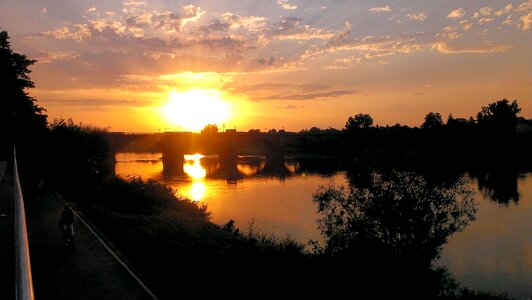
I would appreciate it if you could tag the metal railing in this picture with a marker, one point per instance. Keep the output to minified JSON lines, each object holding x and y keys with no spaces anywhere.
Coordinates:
{"x":23,"y":280}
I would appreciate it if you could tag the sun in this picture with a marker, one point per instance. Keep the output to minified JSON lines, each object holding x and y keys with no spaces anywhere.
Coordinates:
{"x":193,"y":109}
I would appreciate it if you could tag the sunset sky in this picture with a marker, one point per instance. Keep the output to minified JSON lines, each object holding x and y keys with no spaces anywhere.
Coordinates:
{"x":176,"y":65}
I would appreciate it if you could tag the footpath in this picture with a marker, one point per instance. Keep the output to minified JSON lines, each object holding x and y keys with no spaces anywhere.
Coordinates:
{"x":88,"y":272}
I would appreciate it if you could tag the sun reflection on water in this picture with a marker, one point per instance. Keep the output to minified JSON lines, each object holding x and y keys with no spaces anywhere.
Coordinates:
{"x":197,"y":172}
{"x":197,"y":190}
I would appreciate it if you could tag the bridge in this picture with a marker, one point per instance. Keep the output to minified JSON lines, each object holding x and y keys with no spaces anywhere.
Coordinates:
{"x":93,"y":271}
{"x":227,"y":145}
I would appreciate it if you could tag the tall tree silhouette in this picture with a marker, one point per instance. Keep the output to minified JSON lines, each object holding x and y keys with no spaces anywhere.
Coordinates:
{"x":399,"y":216}
{"x":22,"y":121}
{"x":210,"y":128}
{"x":359,"y":121}
{"x":432,"y":121}
{"x":500,"y":116}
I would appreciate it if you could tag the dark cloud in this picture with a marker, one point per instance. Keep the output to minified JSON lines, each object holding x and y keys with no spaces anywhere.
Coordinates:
{"x":310,"y":96}
{"x":291,"y":107}
{"x":285,"y":91}
{"x":95,"y":103}
{"x":264,"y":61}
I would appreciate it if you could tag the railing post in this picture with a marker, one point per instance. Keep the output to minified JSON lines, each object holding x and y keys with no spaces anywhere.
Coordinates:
{"x":23,"y":280}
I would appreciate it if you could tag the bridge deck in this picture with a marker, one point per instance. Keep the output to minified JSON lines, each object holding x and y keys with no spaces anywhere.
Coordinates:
{"x":90,"y":272}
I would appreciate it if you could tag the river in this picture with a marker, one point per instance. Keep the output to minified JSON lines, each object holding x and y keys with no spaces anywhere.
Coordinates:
{"x":493,"y":254}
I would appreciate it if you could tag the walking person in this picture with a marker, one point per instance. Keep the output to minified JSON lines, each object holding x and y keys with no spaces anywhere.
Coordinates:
{"x":66,"y":224}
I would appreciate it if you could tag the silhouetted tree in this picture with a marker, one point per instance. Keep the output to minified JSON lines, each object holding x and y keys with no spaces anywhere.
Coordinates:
{"x":500,"y":116}
{"x":432,"y":121}
{"x":456,"y":122}
{"x":22,"y":121}
{"x":254,"y":131}
{"x":398,"y":216}
{"x":314,"y":130}
{"x":210,"y":128}
{"x":359,"y":121}
{"x":78,"y":154}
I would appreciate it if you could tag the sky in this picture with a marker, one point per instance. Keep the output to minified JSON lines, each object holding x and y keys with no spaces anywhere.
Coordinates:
{"x":149,"y":66}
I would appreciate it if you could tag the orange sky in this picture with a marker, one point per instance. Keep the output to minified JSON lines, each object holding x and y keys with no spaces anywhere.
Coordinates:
{"x":159,"y":65}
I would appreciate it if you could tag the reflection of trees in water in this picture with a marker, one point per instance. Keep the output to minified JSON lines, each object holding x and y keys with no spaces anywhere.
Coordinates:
{"x":359,"y":174}
{"x":236,"y":169}
{"x":395,"y":225}
{"x":252,"y":166}
{"x":498,"y":185}
{"x":211,"y":165}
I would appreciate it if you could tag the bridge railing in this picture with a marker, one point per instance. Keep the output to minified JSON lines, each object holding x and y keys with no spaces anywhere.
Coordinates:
{"x":23,"y":280}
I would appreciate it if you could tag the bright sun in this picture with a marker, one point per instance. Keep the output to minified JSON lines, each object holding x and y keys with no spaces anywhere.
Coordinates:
{"x":194,"y":109}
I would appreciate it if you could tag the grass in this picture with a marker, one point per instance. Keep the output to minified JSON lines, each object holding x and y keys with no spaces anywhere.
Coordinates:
{"x":172,"y":242}
{"x":171,"y":239}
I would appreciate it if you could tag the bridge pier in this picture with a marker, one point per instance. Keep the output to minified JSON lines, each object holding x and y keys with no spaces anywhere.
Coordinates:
{"x":174,"y":147}
{"x":228,"y":153}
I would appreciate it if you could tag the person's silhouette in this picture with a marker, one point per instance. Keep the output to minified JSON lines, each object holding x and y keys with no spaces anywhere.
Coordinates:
{"x":66,"y":224}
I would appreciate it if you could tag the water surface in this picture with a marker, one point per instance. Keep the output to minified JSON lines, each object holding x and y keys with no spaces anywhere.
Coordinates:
{"x":493,"y":254}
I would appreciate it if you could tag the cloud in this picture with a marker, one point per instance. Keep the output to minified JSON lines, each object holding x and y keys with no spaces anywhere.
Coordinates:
{"x":287,"y":91}
{"x":417,"y":17}
{"x":137,"y":70}
{"x":308,"y":96}
{"x":508,"y":21}
{"x":133,"y":6}
{"x":457,"y":13}
{"x":230,"y":21}
{"x":43,"y":57}
{"x":76,"y":32}
{"x":381,"y":9}
{"x":291,"y":28}
{"x":466,"y":26}
{"x":290,"y":106}
{"x":345,"y":63}
{"x":44,"y":10}
{"x":485,"y":11}
{"x":485,"y":20}
{"x":167,"y":21}
{"x":192,"y":14}
{"x":148,"y":42}
{"x":504,"y":10}
{"x":450,"y":33}
{"x":91,"y":10}
{"x":372,"y":47}
{"x":525,"y":6}
{"x":447,"y":48}
{"x":97,"y":103}
{"x":261,"y":30}
{"x":286,"y":5}
{"x":526,"y":22}
{"x":161,"y":31}
{"x":135,"y":25}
